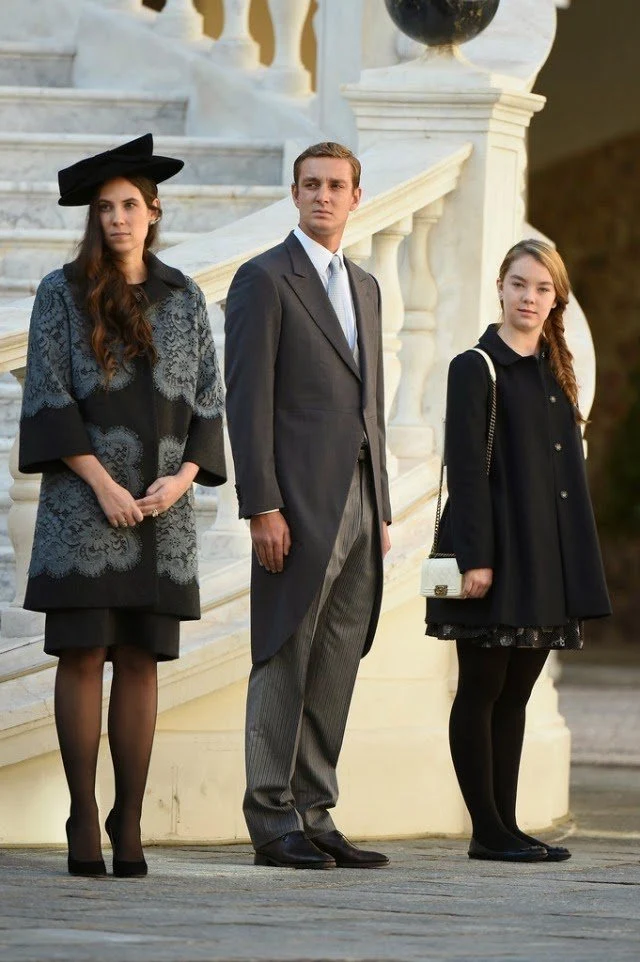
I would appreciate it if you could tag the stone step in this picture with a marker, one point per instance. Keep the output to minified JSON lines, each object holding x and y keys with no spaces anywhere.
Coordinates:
{"x":16,"y":288}
{"x":33,"y":253}
{"x":35,"y":64}
{"x":208,"y":160}
{"x":191,"y":207}
{"x":70,"y":110}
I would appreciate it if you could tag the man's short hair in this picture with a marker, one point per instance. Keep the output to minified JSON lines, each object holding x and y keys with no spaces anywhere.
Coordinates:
{"x":329,"y":149}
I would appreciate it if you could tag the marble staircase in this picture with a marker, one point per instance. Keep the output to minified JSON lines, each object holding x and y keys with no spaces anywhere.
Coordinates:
{"x":35,"y":64}
{"x":47,"y":124}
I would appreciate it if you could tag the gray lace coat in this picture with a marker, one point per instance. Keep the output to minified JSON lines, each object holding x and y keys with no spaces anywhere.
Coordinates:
{"x":150,"y":419}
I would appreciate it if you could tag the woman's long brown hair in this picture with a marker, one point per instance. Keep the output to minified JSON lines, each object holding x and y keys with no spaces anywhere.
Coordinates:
{"x":121,"y":328}
{"x":560,"y":357}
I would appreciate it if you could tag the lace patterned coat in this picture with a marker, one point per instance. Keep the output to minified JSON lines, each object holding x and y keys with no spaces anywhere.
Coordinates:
{"x":151,"y":418}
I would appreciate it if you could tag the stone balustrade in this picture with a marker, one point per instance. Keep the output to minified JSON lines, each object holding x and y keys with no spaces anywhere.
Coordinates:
{"x":179,"y":20}
{"x":404,"y":197}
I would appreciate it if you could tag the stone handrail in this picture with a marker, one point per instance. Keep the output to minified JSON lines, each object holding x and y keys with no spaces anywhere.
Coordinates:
{"x":394,"y":186}
{"x":404,"y":195}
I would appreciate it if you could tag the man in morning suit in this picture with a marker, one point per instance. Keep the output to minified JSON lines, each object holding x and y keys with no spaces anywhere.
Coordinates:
{"x":305,"y":411}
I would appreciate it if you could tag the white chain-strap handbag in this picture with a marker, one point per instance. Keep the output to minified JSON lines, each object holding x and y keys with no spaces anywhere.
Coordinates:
{"x":440,"y":576}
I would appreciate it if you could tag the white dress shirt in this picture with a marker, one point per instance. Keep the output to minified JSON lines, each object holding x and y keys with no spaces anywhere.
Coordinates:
{"x":321,"y":257}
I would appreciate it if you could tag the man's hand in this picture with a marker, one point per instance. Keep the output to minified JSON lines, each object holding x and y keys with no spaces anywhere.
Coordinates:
{"x":476,"y":582}
{"x":386,"y":540}
{"x":271,"y":540}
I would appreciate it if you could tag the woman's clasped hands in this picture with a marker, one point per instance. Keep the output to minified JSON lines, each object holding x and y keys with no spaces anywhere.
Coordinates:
{"x":122,"y":510}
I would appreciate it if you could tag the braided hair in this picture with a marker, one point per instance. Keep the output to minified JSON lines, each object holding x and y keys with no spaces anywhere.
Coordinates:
{"x":560,"y":357}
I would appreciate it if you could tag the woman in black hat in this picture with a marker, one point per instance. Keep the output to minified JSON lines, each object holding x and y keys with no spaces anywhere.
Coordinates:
{"x":122,"y":412}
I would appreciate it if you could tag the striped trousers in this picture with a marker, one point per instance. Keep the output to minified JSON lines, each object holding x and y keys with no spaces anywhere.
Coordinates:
{"x":298,"y":700}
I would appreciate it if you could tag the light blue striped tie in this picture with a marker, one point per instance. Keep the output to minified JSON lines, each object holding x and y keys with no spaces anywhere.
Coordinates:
{"x":337,"y":298}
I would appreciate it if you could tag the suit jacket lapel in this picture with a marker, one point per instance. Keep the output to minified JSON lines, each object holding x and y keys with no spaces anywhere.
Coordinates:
{"x":309,"y":289}
{"x":365,"y":314}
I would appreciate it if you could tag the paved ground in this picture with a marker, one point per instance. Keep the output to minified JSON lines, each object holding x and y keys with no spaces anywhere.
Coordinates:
{"x":432,"y":903}
{"x":601,"y":704}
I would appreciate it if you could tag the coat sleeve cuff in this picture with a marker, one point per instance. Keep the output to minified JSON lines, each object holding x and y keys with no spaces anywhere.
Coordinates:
{"x":205,"y":447}
{"x":49,"y":436}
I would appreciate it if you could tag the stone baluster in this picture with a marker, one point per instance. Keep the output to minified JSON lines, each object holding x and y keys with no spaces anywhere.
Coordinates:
{"x":287,"y":75}
{"x":16,"y":622}
{"x":126,"y":6}
{"x":180,"y":20}
{"x":410,"y":438}
{"x":360,"y":252}
{"x":236,"y":47}
{"x":228,"y":539}
{"x":386,"y":244}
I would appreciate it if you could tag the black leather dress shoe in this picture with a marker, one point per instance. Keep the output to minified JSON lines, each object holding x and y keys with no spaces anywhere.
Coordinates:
{"x":347,"y":855}
{"x":533,"y":853}
{"x":293,"y":850}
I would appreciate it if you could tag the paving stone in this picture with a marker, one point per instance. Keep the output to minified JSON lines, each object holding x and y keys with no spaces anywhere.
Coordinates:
{"x":432,"y":903}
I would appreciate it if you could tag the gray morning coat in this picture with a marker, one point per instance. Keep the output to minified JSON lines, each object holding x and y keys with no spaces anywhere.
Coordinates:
{"x":149,"y":420}
{"x":297,"y":410}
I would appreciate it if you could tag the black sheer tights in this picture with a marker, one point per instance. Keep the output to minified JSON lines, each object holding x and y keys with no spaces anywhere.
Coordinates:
{"x":486,"y":731}
{"x":131,"y":726}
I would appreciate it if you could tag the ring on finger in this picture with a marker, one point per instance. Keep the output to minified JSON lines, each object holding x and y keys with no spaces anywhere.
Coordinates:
{"x":155,"y":513}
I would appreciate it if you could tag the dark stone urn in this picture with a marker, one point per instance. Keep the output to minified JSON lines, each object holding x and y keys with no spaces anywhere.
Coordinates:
{"x":442,"y":22}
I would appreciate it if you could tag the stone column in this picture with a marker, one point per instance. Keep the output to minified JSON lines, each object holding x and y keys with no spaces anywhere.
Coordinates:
{"x":228,"y":539}
{"x":410,"y":437}
{"x":236,"y":47}
{"x":126,"y":6}
{"x":24,"y":492}
{"x":360,"y":252}
{"x":180,"y":20}
{"x":385,"y":268}
{"x":287,"y":75}
{"x":444,"y":98}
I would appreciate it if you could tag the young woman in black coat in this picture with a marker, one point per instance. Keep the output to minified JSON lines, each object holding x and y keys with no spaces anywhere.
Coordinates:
{"x":524,"y":537}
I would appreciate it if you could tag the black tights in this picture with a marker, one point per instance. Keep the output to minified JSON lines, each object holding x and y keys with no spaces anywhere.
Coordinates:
{"x":486,"y":731}
{"x":131,"y":727}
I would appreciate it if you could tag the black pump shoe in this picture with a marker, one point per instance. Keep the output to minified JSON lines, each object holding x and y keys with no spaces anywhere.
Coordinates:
{"x":121,"y":867}
{"x":533,"y":853}
{"x":76,"y":866}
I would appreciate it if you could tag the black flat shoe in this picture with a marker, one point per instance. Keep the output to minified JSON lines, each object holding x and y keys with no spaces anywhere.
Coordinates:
{"x":346,"y":854}
{"x":533,"y":853}
{"x":293,"y":850}
{"x":121,"y":867}
{"x":78,"y":866}
{"x":556,"y":853}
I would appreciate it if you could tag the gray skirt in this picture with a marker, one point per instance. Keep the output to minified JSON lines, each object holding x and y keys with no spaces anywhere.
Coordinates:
{"x":108,"y":627}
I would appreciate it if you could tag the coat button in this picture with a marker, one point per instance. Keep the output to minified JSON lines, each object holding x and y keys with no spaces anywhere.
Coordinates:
{"x":552,"y":398}
{"x":558,"y":446}
{"x":564,"y":494}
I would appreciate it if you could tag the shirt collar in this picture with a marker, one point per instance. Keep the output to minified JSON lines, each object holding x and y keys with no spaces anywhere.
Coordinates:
{"x":319,"y":256}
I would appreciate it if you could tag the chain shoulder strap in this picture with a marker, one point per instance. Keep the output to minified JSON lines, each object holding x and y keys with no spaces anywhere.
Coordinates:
{"x":491,"y":431}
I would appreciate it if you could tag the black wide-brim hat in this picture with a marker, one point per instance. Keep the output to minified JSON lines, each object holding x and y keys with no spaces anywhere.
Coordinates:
{"x":79,"y":182}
